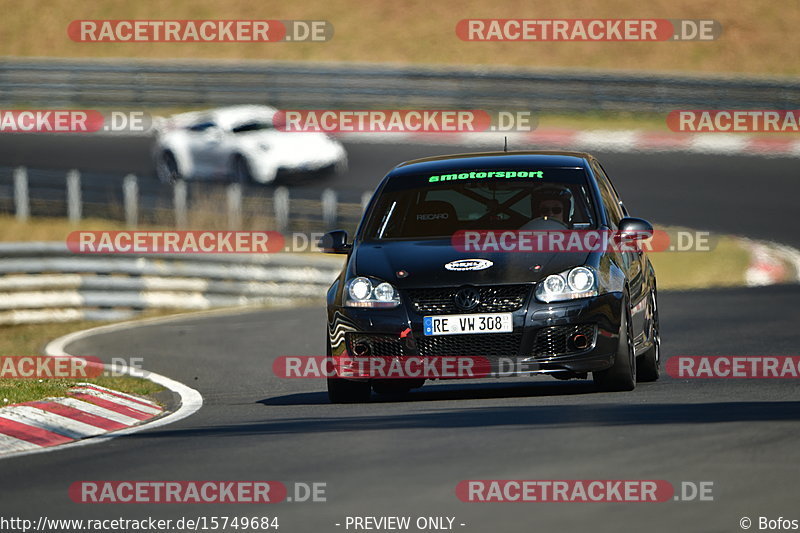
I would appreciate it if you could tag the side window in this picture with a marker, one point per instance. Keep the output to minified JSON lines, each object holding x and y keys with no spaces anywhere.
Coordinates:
{"x":614,"y":190}
{"x":609,"y":196}
{"x":201,"y":126}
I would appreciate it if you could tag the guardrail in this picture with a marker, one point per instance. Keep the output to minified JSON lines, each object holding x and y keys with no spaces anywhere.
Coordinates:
{"x":45,"y":282}
{"x":136,"y":84}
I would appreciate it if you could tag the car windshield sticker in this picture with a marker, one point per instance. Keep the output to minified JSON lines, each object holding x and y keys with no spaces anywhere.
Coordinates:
{"x":488,"y":174}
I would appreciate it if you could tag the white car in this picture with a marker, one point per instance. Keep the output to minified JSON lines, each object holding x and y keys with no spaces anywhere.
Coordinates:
{"x":240,"y":143}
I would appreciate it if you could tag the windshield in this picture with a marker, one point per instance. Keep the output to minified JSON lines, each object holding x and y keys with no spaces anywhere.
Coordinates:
{"x":252,"y":126}
{"x":438,"y":205}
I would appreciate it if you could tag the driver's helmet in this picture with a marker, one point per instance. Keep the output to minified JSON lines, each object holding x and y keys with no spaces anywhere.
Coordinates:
{"x":553,"y":202}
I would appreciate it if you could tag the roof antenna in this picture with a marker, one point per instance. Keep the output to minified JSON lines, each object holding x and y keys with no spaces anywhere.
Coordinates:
{"x":505,"y":143}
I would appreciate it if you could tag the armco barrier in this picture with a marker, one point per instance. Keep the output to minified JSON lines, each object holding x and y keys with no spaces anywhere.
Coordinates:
{"x":45,"y":282}
{"x":143,"y":84}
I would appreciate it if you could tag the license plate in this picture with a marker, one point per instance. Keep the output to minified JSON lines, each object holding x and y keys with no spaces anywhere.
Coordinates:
{"x":460,"y":324}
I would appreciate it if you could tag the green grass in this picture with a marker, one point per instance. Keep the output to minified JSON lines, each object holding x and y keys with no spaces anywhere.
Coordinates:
{"x":724,"y":266}
{"x":50,"y":229}
{"x":25,"y":390}
{"x":30,"y":339}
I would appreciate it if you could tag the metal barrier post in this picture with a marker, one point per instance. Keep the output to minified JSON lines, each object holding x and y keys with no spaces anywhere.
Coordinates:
{"x":234,"y":194}
{"x":329,"y":207}
{"x":74,"y":203}
{"x":130,"y":194}
{"x":179,"y":203}
{"x":22,"y":204}
{"x":280,"y":204}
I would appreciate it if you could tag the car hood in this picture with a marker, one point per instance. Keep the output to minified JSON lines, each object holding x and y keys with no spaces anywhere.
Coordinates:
{"x":425,"y":260}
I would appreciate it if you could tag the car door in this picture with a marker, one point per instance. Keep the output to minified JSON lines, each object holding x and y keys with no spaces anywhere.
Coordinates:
{"x":632,"y":262}
{"x":204,"y":138}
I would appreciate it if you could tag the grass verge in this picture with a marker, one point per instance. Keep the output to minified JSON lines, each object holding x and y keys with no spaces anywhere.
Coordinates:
{"x":724,"y":266}
{"x":26,"y":390}
{"x":30,"y":339}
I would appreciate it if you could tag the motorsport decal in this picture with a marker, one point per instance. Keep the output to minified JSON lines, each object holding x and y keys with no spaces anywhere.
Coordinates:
{"x":469,"y":264}
{"x":488,"y":174}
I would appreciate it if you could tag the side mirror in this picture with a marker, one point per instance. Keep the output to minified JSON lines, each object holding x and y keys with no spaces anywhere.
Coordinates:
{"x":335,"y":242}
{"x":634,"y":229}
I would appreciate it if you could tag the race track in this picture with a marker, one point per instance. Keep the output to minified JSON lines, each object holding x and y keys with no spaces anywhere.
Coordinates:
{"x":393,"y":457}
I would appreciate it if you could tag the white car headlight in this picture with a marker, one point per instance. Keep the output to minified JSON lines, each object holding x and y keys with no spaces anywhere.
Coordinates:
{"x":364,"y":292}
{"x":579,"y":282}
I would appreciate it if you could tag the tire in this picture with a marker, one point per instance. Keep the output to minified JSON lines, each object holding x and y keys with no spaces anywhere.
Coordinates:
{"x":240,"y":171}
{"x":622,"y":375}
{"x":648,"y":365}
{"x":346,"y":391}
{"x":167,"y":168}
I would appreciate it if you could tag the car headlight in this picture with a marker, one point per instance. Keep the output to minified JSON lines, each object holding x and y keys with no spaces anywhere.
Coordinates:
{"x":579,"y":282}
{"x":366,"y":292}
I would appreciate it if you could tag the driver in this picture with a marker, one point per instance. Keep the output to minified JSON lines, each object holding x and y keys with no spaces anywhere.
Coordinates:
{"x":552,"y":203}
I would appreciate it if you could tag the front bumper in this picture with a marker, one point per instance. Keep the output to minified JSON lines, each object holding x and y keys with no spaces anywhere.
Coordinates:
{"x":542,"y":340}
{"x":318,"y":159}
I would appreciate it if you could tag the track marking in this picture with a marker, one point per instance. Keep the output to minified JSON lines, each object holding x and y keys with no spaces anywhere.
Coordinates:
{"x":32,"y":416}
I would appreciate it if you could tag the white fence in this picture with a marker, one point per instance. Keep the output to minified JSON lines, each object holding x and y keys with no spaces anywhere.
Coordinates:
{"x":31,"y":192}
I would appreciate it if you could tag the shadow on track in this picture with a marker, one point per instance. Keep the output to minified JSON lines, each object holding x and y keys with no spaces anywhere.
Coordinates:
{"x":457,"y":391}
{"x":521,"y":416}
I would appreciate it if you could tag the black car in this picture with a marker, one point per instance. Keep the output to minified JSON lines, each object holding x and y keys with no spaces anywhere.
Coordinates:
{"x":411,"y":289}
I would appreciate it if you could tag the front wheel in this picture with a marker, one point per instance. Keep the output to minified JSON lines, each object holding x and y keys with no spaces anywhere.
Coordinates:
{"x":622,"y":375}
{"x":240,"y":171}
{"x":346,"y":391}
{"x":167,"y":168}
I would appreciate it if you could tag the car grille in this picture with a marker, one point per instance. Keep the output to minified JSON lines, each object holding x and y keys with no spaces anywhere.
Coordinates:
{"x":379,"y":345}
{"x":491,"y":345}
{"x":553,"y":341}
{"x":494,"y":299}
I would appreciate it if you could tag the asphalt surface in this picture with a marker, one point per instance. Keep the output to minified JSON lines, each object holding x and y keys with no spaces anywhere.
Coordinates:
{"x":393,"y":457}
